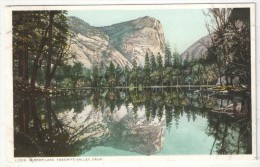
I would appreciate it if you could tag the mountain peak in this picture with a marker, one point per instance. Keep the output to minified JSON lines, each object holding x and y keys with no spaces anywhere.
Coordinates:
{"x":147,"y":21}
{"x":148,"y":17}
{"x":121,"y":42}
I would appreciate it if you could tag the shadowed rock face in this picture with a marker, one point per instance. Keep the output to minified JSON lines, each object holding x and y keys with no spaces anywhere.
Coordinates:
{"x":134,"y":38}
{"x":119,"y":43}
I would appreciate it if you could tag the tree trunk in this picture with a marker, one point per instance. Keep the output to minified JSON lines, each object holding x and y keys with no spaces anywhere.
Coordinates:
{"x":37,"y":60}
{"x":23,"y":59}
{"x":49,"y":55}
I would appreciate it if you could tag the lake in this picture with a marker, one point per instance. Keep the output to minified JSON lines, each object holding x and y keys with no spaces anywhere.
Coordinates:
{"x":120,"y":122}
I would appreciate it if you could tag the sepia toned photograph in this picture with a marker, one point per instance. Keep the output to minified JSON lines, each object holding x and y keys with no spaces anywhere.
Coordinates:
{"x":133,"y":80}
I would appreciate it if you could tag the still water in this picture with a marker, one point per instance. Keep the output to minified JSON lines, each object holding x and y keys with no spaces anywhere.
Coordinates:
{"x":119,"y":122}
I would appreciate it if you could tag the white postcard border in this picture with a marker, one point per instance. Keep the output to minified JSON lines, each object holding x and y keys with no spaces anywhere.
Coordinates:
{"x":9,"y":89}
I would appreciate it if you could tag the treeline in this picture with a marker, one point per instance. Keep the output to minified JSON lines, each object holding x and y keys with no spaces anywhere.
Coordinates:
{"x":159,"y":71}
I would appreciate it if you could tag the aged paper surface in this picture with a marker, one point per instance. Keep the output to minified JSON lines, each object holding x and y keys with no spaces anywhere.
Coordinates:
{"x":98,"y":96}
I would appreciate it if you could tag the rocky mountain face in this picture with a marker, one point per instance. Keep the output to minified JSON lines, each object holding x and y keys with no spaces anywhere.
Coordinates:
{"x":120,"y":129}
{"x":90,"y":45}
{"x":198,"y":49}
{"x":134,"y":38}
{"x":119,"y":43}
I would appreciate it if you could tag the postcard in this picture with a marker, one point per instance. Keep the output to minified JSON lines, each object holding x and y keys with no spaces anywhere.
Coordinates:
{"x":131,"y":82}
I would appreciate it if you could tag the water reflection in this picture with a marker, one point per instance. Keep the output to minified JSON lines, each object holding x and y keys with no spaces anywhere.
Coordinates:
{"x":125,"y":120}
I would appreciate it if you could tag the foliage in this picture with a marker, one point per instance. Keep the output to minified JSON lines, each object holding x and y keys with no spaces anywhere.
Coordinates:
{"x":40,"y":43}
{"x":230,"y":48}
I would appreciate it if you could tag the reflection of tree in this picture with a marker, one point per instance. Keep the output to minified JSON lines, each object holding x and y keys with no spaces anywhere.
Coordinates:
{"x":168,"y":115}
{"x":172,"y":103}
{"x":68,"y":125}
{"x":96,"y":99}
{"x":113,"y":100}
{"x":22,"y":128}
{"x":43,"y":133}
{"x":232,"y":134}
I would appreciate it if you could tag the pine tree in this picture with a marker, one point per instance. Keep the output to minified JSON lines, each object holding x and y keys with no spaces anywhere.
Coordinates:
{"x":176,"y":59}
{"x":160,"y":68}
{"x":147,"y":62}
{"x":153,"y":63}
{"x":186,"y":60}
{"x":168,"y":56}
{"x":167,"y":77}
{"x":134,"y":73}
{"x":159,"y":61}
{"x":111,"y":73}
{"x":147,"y":70}
{"x":176,"y":65}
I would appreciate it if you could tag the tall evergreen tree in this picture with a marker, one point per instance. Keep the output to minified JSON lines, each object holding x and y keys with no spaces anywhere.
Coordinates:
{"x":134,"y":73}
{"x":187,"y":60}
{"x":112,"y":75}
{"x":168,"y":56}
{"x":176,"y":65}
{"x":147,"y":62}
{"x":176,"y":59}
{"x":167,"y":75}
{"x":159,"y":61}
{"x":153,"y":63}
{"x":147,"y":70}
{"x":160,"y":69}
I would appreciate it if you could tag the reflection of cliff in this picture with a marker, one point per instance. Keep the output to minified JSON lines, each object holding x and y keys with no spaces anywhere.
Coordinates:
{"x":130,"y":121}
{"x":126,"y":129}
{"x":132,"y":132}
{"x":86,"y":125}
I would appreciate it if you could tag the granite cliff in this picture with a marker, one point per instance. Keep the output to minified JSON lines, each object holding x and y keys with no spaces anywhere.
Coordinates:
{"x":119,"y":43}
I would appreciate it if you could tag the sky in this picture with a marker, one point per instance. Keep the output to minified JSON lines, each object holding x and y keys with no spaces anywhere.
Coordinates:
{"x":182,"y":27}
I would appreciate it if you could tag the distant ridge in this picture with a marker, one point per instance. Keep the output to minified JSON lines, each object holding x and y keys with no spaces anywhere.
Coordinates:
{"x":197,"y":49}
